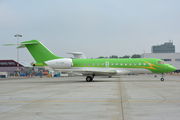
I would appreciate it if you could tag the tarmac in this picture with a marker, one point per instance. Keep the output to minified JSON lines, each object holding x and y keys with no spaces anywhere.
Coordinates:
{"x":142,"y":97}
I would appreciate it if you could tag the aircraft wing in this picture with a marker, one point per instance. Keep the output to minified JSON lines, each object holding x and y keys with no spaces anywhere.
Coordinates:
{"x":97,"y":71}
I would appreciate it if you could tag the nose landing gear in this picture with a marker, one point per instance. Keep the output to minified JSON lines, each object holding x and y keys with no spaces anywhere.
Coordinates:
{"x":162,"y":79}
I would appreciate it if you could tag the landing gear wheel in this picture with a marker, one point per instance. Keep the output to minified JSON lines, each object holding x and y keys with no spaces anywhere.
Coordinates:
{"x":109,"y":76}
{"x":162,"y":79}
{"x":89,"y":78}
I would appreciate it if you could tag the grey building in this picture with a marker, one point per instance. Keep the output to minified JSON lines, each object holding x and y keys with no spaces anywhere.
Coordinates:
{"x":167,"y":47}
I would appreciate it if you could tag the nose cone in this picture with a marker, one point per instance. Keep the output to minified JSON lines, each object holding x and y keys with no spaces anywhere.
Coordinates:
{"x":172,"y":68}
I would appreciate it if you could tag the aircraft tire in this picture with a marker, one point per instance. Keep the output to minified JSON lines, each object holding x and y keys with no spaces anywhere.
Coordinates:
{"x":162,"y":79}
{"x":89,"y":79}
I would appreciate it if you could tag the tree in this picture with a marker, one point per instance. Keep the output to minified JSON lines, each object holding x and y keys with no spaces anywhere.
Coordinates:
{"x":126,"y":56}
{"x":113,"y":56}
{"x":100,"y":57}
{"x":136,"y":56}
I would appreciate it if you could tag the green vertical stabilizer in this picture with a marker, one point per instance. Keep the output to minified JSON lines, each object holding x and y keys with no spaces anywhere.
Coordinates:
{"x":39,"y":52}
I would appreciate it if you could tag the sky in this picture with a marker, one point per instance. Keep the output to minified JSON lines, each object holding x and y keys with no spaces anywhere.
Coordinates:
{"x":94,"y":27}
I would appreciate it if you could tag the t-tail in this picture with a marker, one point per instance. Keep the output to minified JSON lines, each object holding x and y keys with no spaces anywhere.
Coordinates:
{"x":39,"y":52}
{"x":43,"y":56}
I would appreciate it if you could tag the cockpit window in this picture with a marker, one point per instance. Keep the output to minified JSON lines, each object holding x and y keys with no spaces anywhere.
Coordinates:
{"x":160,"y":62}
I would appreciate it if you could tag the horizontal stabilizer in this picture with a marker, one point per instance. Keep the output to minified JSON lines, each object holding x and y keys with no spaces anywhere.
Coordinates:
{"x":26,"y":43}
{"x":10,"y":44}
{"x":22,"y":45}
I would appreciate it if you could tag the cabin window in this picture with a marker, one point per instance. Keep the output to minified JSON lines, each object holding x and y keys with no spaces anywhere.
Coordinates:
{"x":116,"y":64}
{"x":130,"y":63}
{"x":134,"y":63}
{"x":93,"y":64}
{"x":98,"y":64}
{"x":89,"y":64}
{"x":84,"y":64}
{"x":121,"y":64}
{"x":160,"y":62}
{"x":125,"y":63}
{"x":144,"y":63}
{"x":102,"y":64}
{"x":139,"y":63}
{"x":112,"y":63}
{"x":149,"y":63}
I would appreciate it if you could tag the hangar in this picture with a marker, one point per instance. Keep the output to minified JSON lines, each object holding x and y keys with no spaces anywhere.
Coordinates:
{"x":10,"y":66}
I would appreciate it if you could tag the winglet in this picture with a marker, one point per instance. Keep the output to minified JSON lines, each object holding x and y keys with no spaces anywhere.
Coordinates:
{"x":78,"y":55}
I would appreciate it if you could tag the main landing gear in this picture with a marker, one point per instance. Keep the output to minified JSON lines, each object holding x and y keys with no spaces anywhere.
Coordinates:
{"x":89,"y":78}
{"x":162,"y":79}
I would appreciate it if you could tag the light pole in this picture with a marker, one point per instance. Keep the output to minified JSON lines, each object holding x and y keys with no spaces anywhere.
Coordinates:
{"x":17,"y":35}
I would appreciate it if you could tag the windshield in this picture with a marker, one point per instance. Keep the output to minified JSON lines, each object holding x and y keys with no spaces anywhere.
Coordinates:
{"x":160,"y":62}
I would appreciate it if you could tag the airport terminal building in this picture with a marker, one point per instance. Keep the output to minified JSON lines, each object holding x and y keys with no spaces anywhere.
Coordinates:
{"x":165,"y":52}
{"x":167,"y":47}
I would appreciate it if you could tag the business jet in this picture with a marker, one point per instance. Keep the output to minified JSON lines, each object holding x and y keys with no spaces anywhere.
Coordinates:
{"x":94,"y":67}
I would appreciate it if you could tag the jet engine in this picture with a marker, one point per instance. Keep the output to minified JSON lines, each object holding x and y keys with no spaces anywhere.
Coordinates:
{"x":60,"y":63}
